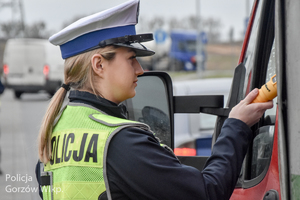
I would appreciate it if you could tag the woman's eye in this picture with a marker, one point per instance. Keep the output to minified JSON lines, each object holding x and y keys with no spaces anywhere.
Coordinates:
{"x":133,"y":57}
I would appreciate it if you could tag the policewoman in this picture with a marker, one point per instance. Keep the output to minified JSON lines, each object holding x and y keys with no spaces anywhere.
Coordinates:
{"x":89,"y":150}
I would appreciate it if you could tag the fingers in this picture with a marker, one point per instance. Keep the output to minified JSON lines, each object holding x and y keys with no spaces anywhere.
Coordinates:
{"x":264,"y":106}
{"x":251,"y":96}
{"x":249,"y":112}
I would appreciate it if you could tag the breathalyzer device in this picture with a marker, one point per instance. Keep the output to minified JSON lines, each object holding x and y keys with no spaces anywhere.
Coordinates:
{"x":268,"y":91}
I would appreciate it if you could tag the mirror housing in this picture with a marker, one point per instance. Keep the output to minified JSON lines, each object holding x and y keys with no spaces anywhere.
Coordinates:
{"x":153,"y":105}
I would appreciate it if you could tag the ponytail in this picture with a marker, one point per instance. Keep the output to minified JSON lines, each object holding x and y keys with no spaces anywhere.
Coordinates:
{"x":44,"y":143}
{"x":79,"y":74}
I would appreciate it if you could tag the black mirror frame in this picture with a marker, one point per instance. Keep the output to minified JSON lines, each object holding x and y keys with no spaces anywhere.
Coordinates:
{"x":165,"y":77}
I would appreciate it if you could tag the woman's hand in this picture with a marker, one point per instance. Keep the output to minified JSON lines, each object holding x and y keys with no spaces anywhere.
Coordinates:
{"x":248,"y":112}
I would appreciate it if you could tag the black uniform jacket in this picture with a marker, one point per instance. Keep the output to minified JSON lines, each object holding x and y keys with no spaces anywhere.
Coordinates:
{"x":139,"y":168}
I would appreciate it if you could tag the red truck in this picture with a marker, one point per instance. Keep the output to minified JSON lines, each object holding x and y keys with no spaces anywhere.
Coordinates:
{"x":271,"y":169}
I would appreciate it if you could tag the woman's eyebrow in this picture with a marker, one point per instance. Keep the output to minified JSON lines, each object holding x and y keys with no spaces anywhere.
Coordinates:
{"x":131,"y":50}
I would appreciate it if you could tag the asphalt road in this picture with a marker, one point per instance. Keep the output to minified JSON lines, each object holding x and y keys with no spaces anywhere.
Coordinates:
{"x":19,"y":125}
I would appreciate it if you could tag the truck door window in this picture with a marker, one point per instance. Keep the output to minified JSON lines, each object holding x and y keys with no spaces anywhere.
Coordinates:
{"x":262,"y":150}
{"x":263,"y":142}
{"x":259,"y":61}
{"x":250,"y":53}
{"x":271,"y":71}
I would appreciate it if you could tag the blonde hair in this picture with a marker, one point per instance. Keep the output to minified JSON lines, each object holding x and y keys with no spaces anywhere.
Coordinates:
{"x":78,"y":74}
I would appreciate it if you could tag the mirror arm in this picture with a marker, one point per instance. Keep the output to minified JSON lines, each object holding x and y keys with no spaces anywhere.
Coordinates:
{"x":221,"y":112}
{"x":192,"y":104}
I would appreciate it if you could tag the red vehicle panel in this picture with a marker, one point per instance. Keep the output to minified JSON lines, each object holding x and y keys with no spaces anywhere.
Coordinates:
{"x":270,"y":182}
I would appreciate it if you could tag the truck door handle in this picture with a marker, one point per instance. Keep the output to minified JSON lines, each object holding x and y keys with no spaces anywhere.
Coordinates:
{"x":271,"y":195}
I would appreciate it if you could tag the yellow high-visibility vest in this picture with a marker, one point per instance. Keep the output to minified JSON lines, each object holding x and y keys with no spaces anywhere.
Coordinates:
{"x":80,"y":142}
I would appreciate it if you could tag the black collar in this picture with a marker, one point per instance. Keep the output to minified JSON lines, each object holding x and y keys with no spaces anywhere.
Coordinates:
{"x":100,"y":103}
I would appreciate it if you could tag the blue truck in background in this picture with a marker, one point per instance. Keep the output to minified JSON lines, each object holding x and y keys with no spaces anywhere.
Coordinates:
{"x":175,"y":52}
{"x":183,"y":50}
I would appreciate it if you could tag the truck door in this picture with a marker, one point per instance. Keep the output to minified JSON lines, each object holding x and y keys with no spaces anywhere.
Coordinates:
{"x":287,"y":35}
{"x":259,"y":177}
{"x":271,"y":46}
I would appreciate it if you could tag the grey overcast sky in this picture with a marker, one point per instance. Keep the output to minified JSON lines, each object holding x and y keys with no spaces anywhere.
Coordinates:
{"x":232,"y":13}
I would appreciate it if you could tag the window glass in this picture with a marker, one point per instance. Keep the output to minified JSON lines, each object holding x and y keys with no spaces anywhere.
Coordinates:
{"x":191,"y":45}
{"x":249,"y":55}
{"x":25,"y":59}
{"x":271,"y":71}
{"x":263,"y":142}
{"x":262,"y":150}
{"x":259,"y":159}
{"x":181,"y":46}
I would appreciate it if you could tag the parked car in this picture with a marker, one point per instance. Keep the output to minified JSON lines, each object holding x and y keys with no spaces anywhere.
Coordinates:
{"x":32,"y":65}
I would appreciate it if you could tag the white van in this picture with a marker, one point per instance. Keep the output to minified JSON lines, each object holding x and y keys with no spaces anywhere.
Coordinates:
{"x":32,"y":65}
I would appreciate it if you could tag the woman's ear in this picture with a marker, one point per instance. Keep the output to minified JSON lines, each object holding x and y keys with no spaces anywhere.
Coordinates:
{"x":96,"y":62}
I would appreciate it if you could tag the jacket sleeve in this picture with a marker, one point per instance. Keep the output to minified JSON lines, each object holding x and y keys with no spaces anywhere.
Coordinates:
{"x":223,"y":167}
{"x":139,"y":168}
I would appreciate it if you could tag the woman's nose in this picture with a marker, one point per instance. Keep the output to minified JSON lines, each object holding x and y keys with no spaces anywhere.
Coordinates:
{"x":138,"y":68}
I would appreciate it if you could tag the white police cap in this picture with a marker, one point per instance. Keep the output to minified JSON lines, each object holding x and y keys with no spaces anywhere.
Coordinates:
{"x":114,"y":26}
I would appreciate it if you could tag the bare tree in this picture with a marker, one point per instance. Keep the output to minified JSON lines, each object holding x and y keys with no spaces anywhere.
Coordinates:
{"x":156,"y":23}
{"x":12,"y":29}
{"x":193,"y":22}
{"x":212,"y":27}
{"x":36,"y":30}
{"x":174,"y":23}
{"x":17,"y":29}
{"x":231,"y":34}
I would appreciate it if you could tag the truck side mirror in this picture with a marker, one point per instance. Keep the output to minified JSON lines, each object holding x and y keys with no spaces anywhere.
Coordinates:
{"x":153,"y":105}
